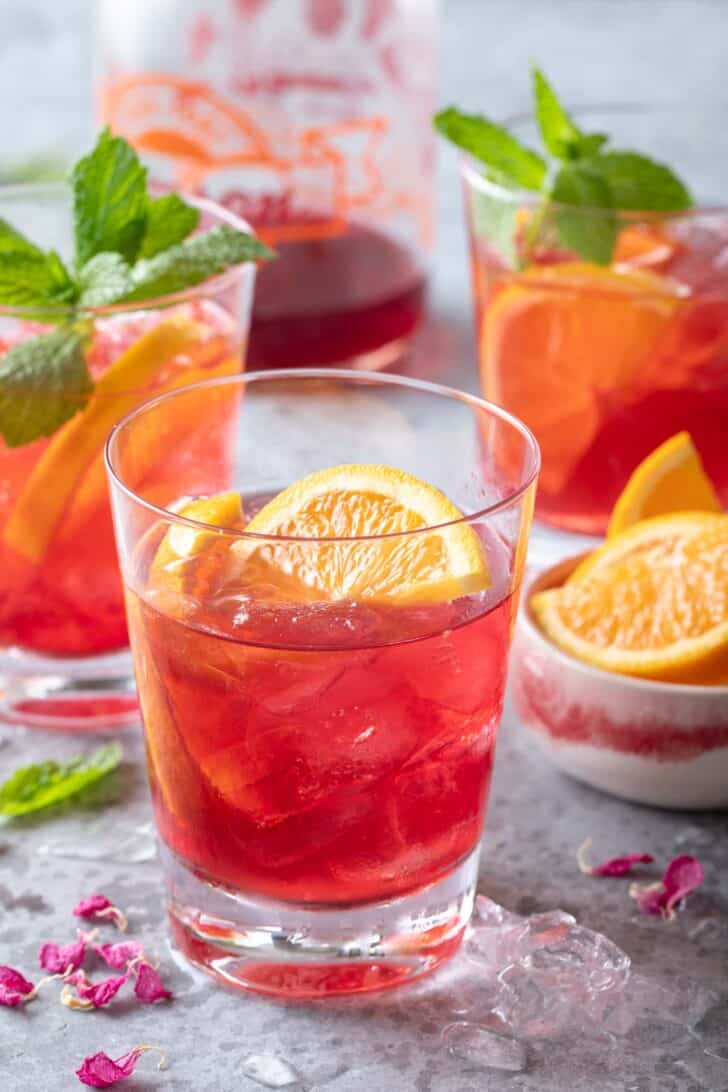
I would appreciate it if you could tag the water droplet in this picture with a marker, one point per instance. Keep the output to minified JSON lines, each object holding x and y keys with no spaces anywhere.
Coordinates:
{"x":270,"y":1071}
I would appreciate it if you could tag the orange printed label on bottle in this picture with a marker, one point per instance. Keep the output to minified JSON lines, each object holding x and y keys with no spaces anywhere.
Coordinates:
{"x":302,"y":184}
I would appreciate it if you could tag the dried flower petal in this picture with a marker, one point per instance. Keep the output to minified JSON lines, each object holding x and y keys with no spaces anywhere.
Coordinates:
{"x":72,"y":1001}
{"x":118,"y":955}
{"x":14,"y":989}
{"x":61,"y":960}
{"x":90,"y":994}
{"x":614,"y":866}
{"x":682,"y":875}
{"x":101,"y":1071}
{"x":98,"y":906}
{"x":148,"y":986}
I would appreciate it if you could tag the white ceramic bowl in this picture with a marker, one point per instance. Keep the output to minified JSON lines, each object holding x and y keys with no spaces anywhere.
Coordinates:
{"x":655,"y":743}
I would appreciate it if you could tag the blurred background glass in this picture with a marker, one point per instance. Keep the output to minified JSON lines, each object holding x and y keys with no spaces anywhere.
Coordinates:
{"x":595,"y":51}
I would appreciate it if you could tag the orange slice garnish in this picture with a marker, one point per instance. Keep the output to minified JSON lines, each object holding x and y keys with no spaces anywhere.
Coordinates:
{"x":560,"y":342}
{"x":188,"y":558}
{"x":652,"y":602}
{"x":670,"y":479}
{"x":354,"y":502}
{"x":72,"y":450}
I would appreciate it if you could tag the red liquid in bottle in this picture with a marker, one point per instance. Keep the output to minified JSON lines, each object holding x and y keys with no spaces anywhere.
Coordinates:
{"x":331,"y":299}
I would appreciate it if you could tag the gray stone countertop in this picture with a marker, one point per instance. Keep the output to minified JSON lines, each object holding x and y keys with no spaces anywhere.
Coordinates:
{"x":536,"y":819}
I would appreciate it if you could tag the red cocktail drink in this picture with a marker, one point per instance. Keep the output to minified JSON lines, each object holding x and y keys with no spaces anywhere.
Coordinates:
{"x":62,"y":621}
{"x":321,"y":671}
{"x":341,"y":755}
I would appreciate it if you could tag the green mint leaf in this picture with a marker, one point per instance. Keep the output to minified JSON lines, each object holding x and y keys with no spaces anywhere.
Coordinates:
{"x":507,"y":160}
{"x":12,"y":242}
{"x":30,"y":278}
{"x":109,"y":200}
{"x":589,"y":144}
{"x":169,"y":221}
{"x":639,"y":184}
{"x":104,"y":279}
{"x":32,"y":788}
{"x":588,"y":225}
{"x":560,"y":134}
{"x":194,"y":261}
{"x":43,"y":382}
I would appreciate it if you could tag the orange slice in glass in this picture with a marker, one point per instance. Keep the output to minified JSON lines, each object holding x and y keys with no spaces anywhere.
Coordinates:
{"x":357,"y":501}
{"x":561,"y":342}
{"x":189,"y":559}
{"x":670,"y":479}
{"x":652,"y":602}
{"x":72,"y":450}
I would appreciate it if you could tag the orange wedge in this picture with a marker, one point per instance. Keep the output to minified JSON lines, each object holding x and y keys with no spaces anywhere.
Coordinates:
{"x":646,"y":246}
{"x":560,"y":340}
{"x":670,"y":479}
{"x":355,"y":501}
{"x":652,"y":602}
{"x":72,"y":450}
{"x":188,"y":558}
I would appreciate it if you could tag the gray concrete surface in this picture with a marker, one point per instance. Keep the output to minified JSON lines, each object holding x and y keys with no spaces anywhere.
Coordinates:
{"x":599,"y":49}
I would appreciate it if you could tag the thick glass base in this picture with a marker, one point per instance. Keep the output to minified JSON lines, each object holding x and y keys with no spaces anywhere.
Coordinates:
{"x":316,"y":952}
{"x":84,"y":694}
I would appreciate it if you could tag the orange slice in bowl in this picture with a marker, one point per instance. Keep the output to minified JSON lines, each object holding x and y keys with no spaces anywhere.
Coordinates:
{"x":652,"y":602}
{"x":558,"y":339}
{"x":670,"y":479}
{"x":353,"y":502}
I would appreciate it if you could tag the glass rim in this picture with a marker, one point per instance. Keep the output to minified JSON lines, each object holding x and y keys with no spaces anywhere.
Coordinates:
{"x":219,"y":282}
{"x":472,"y":170}
{"x":528,"y":477}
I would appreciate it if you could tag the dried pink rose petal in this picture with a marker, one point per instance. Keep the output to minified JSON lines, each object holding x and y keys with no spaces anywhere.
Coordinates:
{"x":14,"y":989}
{"x":61,"y":959}
{"x":90,"y":994}
{"x":148,"y":986}
{"x":118,"y":955}
{"x":101,"y":1071}
{"x":98,"y":906}
{"x":614,"y":866}
{"x":682,"y":875}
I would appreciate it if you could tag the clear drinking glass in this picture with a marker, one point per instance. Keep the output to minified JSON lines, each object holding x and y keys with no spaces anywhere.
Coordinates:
{"x":605,"y":362}
{"x":64,"y":660}
{"x":310,"y":118}
{"x":319,"y":768}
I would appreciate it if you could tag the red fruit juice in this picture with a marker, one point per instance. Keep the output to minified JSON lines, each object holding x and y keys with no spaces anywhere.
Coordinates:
{"x":323,"y":753}
{"x":60,"y":590}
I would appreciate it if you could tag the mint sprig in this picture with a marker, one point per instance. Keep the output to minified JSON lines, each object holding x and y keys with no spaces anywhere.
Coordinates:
{"x":43,"y":382}
{"x":38,"y":786}
{"x":582,"y":184}
{"x":129,"y":247}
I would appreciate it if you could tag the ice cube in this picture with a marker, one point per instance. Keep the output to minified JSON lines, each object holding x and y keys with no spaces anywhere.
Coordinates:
{"x":489,"y":914}
{"x":479,"y":1047}
{"x":530,"y":1010}
{"x":582,"y":957}
{"x":270,"y":1071}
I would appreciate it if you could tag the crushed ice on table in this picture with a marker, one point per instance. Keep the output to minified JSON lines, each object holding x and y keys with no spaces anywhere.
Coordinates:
{"x":545,"y":976}
{"x":485,"y":1049}
{"x":270,"y":1071}
{"x":105,"y":841}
